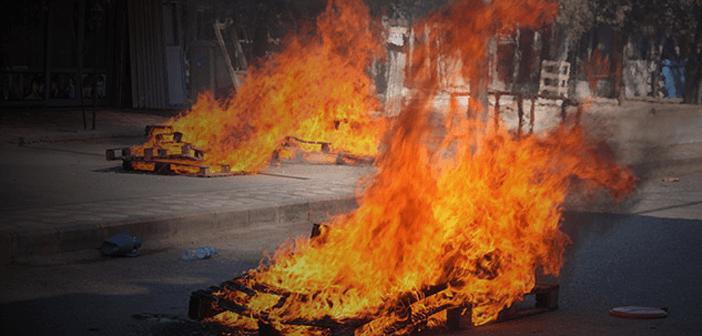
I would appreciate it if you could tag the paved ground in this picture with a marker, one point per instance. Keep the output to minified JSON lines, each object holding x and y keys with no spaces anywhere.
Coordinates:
{"x":670,"y":188}
{"x":57,"y":191}
{"x":614,"y":260}
{"x":60,"y":195}
{"x":65,"y":196}
{"x":61,"y":174}
{"x":620,"y":260}
{"x":99,"y":296}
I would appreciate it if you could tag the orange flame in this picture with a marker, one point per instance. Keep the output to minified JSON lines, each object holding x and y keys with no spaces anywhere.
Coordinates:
{"x":478,"y":214}
{"x":316,"y":89}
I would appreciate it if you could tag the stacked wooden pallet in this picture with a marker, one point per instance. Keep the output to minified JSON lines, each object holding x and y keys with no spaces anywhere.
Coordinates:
{"x":165,"y":152}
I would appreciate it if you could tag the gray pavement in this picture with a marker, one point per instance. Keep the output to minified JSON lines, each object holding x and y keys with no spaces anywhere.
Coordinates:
{"x":668,"y":189}
{"x":618,"y":260}
{"x":60,"y":197}
{"x":98,"y":296}
{"x":614,"y":260}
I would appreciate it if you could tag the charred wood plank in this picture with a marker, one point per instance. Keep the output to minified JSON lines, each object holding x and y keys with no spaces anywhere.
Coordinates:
{"x":268,"y":289}
{"x":267,"y":329}
{"x":311,"y":142}
{"x":238,"y":284}
{"x":459,"y":318}
{"x":203,"y":305}
{"x":546,"y":296}
{"x":233,"y":285}
{"x":401,"y":319}
{"x":350,"y":159}
{"x":405,"y":300}
{"x":317,"y":229}
{"x":148,"y":154}
{"x":329,"y":323}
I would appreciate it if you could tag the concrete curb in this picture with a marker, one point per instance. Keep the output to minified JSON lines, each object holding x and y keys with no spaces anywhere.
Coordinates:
{"x":22,"y":244}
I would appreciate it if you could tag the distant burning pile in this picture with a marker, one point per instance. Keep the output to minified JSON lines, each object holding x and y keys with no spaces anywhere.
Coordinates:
{"x":317,"y":90}
{"x":313,"y":97}
{"x":466,"y":222}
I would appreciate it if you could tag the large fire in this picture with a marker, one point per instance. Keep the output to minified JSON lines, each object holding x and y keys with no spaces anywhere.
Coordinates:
{"x":315,"y":89}
{"x":476,"y":213}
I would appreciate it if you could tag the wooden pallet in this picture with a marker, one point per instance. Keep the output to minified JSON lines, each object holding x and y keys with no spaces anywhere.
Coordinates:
{"x":206,"y":303}
{"x":189,"y":164}
{"x":169,"y":155}
{"x":168,"y":166}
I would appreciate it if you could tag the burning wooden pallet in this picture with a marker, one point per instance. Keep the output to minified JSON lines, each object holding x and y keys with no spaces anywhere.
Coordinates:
{"x":294,"y":149}
{"x":408,"y":314}
{"x":165,"y":152}
{"x":402,"y":319}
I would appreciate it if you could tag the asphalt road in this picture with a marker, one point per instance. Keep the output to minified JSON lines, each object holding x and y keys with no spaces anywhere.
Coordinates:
{"x":85,"y":294}
{"x":614,"y":260}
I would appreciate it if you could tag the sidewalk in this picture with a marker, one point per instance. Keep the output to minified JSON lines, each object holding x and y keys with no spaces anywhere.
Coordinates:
{"x":64,"y":197}
{"x":60,"y":194}
{"x":78,"y":226}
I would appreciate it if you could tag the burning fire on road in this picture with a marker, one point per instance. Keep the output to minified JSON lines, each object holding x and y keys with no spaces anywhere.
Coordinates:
{"x":463,"y":223}
{"x":314,"y":96}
